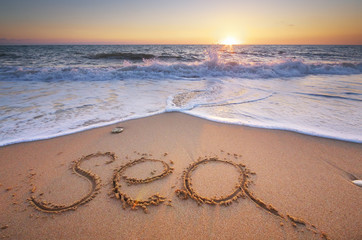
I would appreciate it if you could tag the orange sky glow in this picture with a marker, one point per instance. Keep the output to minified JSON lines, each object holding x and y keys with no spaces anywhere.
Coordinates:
{"x":181,"y":22}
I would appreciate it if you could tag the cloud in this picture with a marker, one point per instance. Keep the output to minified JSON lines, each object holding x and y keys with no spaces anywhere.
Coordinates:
{"x":4,"y":41}
{"x":286,"y":24}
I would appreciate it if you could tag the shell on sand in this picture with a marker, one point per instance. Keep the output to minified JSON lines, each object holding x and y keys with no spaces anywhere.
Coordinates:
{"x":358,"y":182}
{"x":117,"y":130}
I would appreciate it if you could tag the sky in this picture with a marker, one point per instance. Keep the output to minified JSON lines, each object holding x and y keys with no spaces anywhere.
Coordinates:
{"x":180,"y":22}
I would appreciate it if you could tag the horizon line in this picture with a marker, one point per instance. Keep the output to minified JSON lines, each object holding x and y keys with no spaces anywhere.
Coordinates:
{"x":176,"y":44}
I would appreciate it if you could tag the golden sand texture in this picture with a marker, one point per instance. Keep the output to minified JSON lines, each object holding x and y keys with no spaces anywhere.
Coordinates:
{"x":126,"y":200}
{"x":227,"y":200}
{"x":241,"y":190}
{"x":93,"y":179}
{"x":306,"y":179}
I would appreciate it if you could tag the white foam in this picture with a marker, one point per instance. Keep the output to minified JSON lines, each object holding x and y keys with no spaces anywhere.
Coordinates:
{"x":40,"y":100}
{"x":156,"y":69}
{"x":41,"y":110}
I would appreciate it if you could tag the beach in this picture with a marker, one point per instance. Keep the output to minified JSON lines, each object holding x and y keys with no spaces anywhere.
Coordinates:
{"x":181,"y":120}
{"x":298,"y":186}
{"x":51,"y":91}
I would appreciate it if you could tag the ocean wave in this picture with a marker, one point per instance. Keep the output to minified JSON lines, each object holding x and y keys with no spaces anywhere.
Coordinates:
{"x":9,"y":55}
{"x":143,"y":56}
{"x":323,"y":105}
{"x":331,"y":96}
{"x":122,"y":56}
{"x":158,"y":70}
{"x":214,"y":97}
{"x":51,"y":91}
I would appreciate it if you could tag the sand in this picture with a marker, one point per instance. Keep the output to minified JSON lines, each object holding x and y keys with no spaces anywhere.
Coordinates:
{"x":175,"y":176}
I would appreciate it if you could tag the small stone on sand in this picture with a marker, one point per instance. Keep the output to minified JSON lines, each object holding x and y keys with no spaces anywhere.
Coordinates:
{"x":117,"y":130}
{"x":358,"y":182}
{"x":4,"y":227}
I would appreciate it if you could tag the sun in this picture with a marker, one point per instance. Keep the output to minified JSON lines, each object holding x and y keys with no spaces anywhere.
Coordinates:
{"x":230,"y":41}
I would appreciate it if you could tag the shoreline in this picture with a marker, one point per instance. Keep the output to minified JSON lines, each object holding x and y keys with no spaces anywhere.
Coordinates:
{"x":117,"y":122}
{"x":302,"y":176}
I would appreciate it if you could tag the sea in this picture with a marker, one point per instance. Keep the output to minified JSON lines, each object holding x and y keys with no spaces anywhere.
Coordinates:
{"x":50,"y":91}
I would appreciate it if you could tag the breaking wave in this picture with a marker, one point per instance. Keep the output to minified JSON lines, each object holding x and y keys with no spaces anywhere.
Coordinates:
{"x":128,"y":56}
{"x":122,"y":56}
{"x":158,"y":70}
{"x":48,"y":91}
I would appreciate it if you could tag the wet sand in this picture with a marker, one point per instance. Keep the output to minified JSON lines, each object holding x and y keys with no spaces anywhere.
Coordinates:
{"x":181,"y":177}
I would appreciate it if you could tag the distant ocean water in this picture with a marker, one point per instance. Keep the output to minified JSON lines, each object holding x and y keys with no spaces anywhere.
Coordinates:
{"x":48,"y":91}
